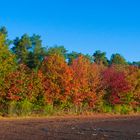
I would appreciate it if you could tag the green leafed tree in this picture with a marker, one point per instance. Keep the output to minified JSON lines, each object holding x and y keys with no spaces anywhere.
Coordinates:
{"x":136,"y":64}
{"x":3,"y":30}
{"x":36,"y":52}
{"x":117,"y":59}
{"x":60,"y":50}
{"x":71,"y":56}
{"x":100,"y":58}
{"x":21,"y":48}
{"x":89,"y":57}
{"x":29,"y":50}
{"x":7,"y":59}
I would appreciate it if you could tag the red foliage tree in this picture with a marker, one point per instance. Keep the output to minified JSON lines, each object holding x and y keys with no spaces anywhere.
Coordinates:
{"x":115,"y":84}
{"x":16,"y":84}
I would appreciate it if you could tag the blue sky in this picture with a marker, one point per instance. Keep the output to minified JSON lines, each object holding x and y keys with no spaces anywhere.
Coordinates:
{"x":112,"y":26}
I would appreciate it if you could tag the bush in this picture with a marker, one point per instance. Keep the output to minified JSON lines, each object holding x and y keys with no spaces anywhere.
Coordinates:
{"x":66,"y":107}
{"x":137,"y":109}
{"x":126,"y":109}
{"x":22,"y":108}
{"x":106,"y":108}
{"x":122,"y":109}
{"x":25,"y":108}
{"x":13,"y":108}
{"x":49,"y":110}
{"x":117,"y":109}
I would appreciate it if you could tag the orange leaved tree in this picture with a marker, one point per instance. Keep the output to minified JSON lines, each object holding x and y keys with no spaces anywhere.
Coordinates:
{"x":86,"y":86}
{"x":56,"y":79}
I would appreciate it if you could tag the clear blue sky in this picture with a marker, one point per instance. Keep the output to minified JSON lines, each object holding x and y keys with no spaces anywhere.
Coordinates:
{"x":112,"y":26}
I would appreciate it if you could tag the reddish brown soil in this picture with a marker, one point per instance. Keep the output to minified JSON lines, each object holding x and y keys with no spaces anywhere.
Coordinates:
{"x":72,"y":128}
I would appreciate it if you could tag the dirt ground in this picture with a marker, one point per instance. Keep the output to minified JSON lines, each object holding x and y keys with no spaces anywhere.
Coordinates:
{"x":97,"y":127}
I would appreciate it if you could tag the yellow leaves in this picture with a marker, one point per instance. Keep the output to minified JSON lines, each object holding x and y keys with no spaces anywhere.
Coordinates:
{"x":7,"y":60}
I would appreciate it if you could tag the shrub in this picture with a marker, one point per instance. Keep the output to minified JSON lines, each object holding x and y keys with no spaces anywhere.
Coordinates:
{"x":106,"y":108}
{"x":126,"y":109}
{"x":66,"y":106}
{"x":48,"y":110}
{"x":21,"y":108}
{"x":25,"y":108}
{"x":117,"y":109}
{"x":13,"y":108}
{"x":137,"y":109}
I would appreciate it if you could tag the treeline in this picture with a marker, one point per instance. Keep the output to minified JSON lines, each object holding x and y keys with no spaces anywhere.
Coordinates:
{"x":39,"y":80}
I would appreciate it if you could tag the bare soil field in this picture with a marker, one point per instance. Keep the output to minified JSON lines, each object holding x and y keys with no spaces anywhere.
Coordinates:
{"x":96,"y":127}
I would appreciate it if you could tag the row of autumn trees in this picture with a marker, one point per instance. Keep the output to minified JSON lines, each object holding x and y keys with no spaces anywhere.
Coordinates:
{"x":53,"y":77}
